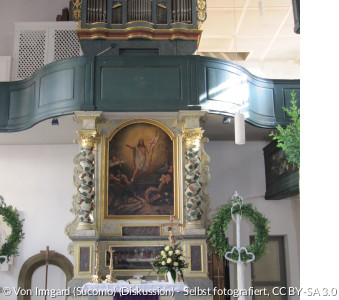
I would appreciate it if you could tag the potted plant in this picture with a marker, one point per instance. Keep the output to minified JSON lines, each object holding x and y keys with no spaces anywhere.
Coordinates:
{"x":288,"y":138}
{"x":170,"y":261}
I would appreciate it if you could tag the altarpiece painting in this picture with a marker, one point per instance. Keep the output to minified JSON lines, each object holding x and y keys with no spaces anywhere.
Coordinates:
{"x":140,"y":172}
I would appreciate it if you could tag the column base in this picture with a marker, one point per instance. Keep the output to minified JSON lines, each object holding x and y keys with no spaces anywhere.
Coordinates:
{"x":195,"y":228}
{"x":85,"y":227}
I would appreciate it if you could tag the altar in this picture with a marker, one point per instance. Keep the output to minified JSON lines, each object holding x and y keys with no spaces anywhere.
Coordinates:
{"x":140,"y":187}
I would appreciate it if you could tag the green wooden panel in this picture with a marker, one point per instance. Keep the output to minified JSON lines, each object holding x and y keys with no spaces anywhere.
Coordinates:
{"x":152,"y":83}
{"x":50,"y":84}
{"x":21,"y":102}
{"x":264,"y":101}
{"x":140,"y":85}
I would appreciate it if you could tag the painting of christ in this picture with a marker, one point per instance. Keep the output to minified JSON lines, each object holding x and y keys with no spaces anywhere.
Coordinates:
{"x":140,"y":172}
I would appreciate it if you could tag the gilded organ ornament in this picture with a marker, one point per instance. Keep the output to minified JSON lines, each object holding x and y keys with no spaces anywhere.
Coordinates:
{"x":201,"y":9}
{"x":77,"y":9}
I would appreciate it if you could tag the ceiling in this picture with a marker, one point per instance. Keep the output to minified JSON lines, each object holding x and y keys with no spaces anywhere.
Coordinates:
{"x":264,"y":29}
{"x":260,"y":31}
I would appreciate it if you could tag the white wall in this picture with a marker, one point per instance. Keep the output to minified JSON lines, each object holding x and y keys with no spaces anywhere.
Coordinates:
{"x":25,"y":11}
{"x":241,"y":168}
{"x":37,"y":180}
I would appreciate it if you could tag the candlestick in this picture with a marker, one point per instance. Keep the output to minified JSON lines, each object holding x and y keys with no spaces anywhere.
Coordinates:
{"x":110,"y":278}
{"x":95,"y":277}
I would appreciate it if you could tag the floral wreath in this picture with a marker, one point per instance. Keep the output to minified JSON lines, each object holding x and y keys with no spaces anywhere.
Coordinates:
{"x":219,"y":229}
{"x":11,"y":218}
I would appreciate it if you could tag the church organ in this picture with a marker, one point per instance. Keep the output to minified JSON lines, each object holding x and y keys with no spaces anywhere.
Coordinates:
{"x":123,"y":11}
{"x":96,"y":11}
{"x":168,"y":27}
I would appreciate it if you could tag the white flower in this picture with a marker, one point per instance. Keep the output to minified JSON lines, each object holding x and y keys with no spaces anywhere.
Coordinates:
{"x":170,"y":253}
{"x":164,"y":256}
{"x":175,"y":264}
{"x":181,"y":258}
{"x":163,"y":263}
{"x":177,"y":251}
{"x":162,"y":252}
{"x":167,"y":248}
{"x":169,"y":260}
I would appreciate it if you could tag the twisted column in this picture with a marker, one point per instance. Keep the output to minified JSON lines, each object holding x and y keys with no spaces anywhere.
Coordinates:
{"x":86,"y":177}
{"x":88,"y":138}
{"x":193,"y":188}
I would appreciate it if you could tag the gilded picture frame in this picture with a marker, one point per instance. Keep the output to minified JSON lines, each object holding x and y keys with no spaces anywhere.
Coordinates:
{"x":140,"y":172}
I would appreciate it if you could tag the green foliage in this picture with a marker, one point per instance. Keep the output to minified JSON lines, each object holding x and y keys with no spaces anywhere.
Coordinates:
{"x":219,"y":229}
{"x":288,"y":138}
{"x":11,"y":218}
{"x":170,"y":259}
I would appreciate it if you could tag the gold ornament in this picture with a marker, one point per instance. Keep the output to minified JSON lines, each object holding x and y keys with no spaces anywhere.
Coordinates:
{"x":77,"y":9}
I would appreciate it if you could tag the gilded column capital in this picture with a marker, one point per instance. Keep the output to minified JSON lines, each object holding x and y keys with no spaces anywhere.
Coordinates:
{"x":192,"y":136}
{"x":88,"y":138}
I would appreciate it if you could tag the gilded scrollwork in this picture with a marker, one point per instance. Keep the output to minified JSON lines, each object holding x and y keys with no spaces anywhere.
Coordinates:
{"x":77,"y":9}
{"x":201,"y":10}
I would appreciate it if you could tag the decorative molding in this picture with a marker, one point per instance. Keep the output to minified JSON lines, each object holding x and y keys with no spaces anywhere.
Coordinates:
{"x":139,"y":32}
{"x":87,"y":119}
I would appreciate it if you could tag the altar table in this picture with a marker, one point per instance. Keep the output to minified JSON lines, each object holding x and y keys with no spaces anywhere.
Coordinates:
{"x":122,"y":290}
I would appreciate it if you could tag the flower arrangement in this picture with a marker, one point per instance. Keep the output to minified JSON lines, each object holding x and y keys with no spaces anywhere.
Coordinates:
{"x":171,"y":260}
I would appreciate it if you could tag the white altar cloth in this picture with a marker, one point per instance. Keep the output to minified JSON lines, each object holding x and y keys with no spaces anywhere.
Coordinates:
{"x":124,"y":288}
